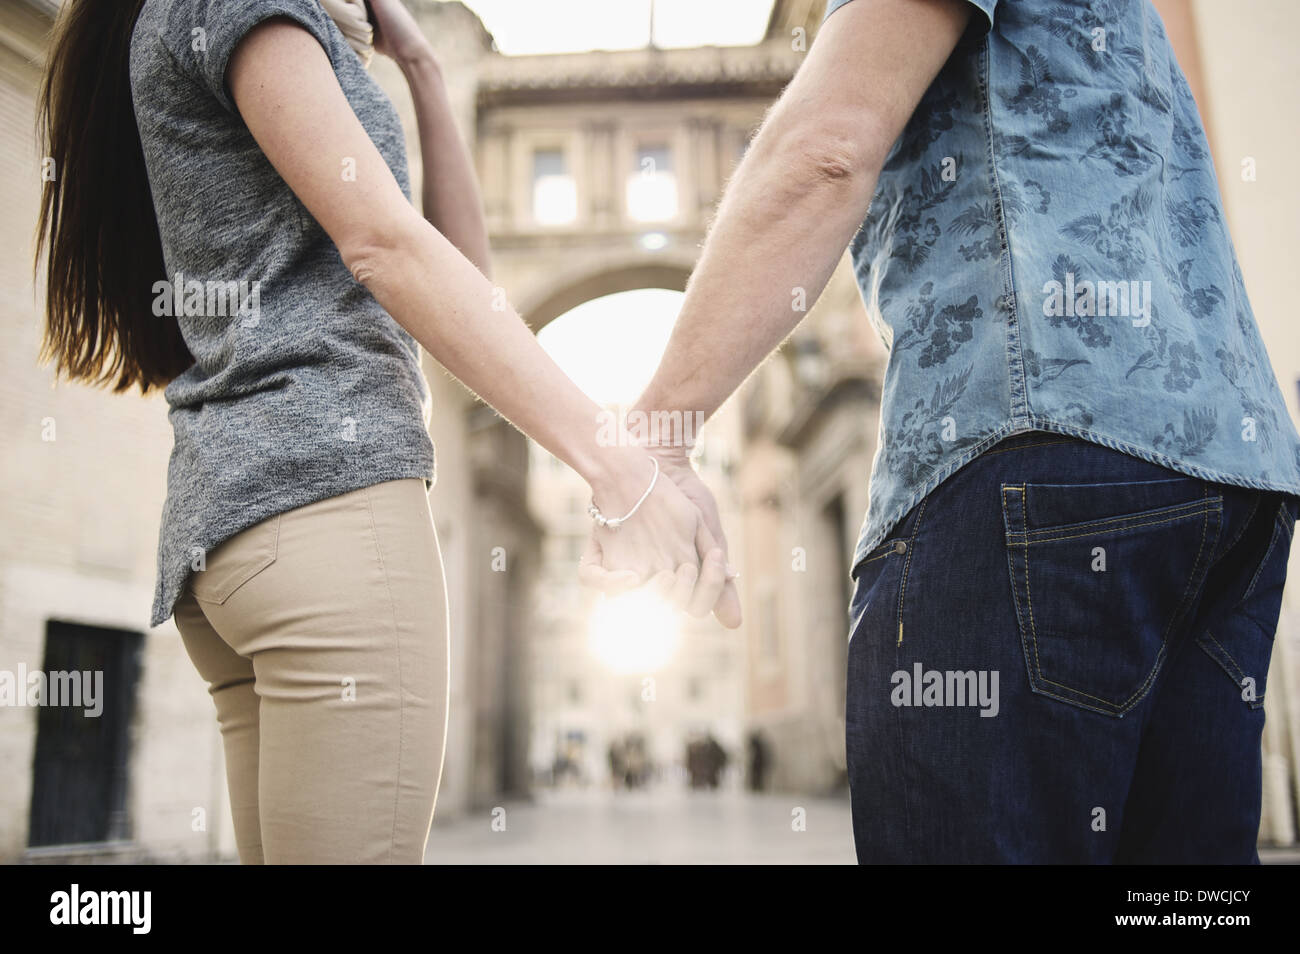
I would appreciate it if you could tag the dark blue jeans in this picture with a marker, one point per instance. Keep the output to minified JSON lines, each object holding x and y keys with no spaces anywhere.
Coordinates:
{"x":1060,"y":656}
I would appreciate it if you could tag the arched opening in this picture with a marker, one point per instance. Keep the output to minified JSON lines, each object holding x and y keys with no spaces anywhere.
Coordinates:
{"x":570,"y":289}
{"x":628,"y":694}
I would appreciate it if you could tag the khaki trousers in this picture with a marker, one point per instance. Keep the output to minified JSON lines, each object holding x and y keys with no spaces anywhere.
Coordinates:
{"x":322,"y":635}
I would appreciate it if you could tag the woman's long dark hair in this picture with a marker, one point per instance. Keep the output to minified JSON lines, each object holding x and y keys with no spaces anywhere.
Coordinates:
{"x":97,"y":219}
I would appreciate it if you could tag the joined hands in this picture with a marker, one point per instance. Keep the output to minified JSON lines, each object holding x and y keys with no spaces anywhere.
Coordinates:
{"x":673,"y":542}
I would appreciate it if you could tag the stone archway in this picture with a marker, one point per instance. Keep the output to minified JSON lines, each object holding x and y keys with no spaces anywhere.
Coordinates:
{"x":542,"y":305}
{"x":589,"y":122}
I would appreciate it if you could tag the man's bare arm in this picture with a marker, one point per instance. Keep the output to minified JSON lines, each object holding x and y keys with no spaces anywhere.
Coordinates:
{"x":801,"y":192}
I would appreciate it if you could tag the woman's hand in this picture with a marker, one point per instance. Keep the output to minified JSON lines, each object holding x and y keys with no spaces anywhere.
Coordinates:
{"x":667,"y":540}
{"x":397,"y":35}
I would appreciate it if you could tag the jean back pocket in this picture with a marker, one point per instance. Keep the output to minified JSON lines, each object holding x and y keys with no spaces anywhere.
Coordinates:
{"x":235,"y":561}
{"x":1101,"y":574}
{"x":1241,"y":642}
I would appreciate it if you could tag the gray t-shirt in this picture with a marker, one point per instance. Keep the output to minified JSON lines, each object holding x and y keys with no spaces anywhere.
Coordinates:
{"x":303,"y":387}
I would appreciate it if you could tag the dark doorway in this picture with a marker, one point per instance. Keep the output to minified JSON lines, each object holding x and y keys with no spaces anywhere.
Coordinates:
{"x":79,"y":774}
{"x":834,"y":515}
{"x":833,"y":518}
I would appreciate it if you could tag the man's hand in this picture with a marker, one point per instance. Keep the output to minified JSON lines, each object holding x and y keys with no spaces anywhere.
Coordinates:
{"x":607,"y":563}
{"x":675,"y":464}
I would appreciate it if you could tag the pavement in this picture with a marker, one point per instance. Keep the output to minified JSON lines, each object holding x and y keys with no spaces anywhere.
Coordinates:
{"x":660,"y":827}
{"x":650,"y":827}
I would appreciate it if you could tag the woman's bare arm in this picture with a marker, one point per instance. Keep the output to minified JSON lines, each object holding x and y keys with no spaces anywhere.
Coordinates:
{"x":449,"y":189}
{"x":286,"y":91}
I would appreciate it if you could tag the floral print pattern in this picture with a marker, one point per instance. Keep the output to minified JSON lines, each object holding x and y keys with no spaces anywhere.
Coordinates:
{"x":1059,"y":155}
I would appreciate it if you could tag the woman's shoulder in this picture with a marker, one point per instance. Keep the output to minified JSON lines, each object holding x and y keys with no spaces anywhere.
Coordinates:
{"x":199,"y":36}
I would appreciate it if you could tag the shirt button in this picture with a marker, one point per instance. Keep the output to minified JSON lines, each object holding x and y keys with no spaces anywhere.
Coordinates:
{"x":900,"y":547}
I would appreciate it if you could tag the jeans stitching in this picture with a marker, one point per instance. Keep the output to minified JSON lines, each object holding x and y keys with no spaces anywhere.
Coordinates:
{"x":1245,"y":525}
{"x":1120,"y":524}
{"x":902,"y":589}
{"x":1254,"y":580}
{"x":1036,"y":677}
{"x":907,"y":565}
{"x":1240,"y":673}
{"x":1029,"y":598}
{"x":1286,"y":524}
{"x":1239,"y":677}
{"x":1015,"y":592}
{"x":1132,"y":700}
{"x":1115,"y":708}
{"x":879,"y":556}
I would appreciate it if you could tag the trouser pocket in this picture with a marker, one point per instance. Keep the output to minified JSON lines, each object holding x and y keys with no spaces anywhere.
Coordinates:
{"x":1241,"y":643}
{"x":1101,"y":574}
{"x":235,"y":561}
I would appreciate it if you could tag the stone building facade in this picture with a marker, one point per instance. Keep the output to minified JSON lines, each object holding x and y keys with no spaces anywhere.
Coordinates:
{"x":82,"y":479}
{"x":81,"y":491}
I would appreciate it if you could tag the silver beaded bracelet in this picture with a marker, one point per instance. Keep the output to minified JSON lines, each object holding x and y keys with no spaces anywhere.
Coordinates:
{"x":614,"y":523}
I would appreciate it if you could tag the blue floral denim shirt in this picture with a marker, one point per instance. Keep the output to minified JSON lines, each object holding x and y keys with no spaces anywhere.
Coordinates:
{"x":1046,"y":250}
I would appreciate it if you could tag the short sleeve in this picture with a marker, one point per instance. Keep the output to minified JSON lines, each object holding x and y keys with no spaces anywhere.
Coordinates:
{"x":983,"y":21}
{"x":202,"y":34}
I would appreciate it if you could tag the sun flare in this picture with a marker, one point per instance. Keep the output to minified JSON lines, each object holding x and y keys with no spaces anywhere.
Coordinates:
{"x":635,"y":632}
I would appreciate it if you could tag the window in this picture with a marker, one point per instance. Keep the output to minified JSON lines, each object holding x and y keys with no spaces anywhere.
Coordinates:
{"x":555,"y":194}
{"x":652,"y":187}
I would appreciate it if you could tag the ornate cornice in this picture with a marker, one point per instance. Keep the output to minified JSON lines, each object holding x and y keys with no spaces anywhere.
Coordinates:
{"x":648,"y":73}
